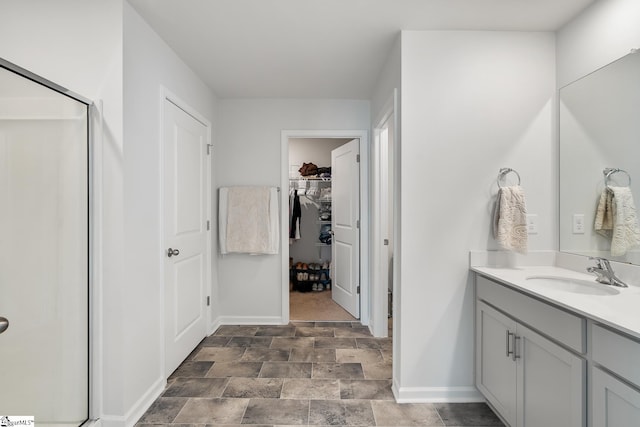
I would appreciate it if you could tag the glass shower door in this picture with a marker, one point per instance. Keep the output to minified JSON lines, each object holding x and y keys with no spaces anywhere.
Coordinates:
{"x":44,"y":254}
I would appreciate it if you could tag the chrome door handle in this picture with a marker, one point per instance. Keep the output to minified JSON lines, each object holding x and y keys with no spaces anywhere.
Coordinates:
{"x":509,"y":349}
{"x":515,"y":347}
{"x":172,"y":252}
{"x":4,"y":324}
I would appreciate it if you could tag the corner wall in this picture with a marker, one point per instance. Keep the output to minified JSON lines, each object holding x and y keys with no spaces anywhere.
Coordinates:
{"x":149,"y":64}
{"x":472,"y":102}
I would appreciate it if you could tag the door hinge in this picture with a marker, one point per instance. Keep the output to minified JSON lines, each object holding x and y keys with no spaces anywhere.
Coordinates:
{"x":357,"y":223}
{"x":208,"y":301}
{"x":358,"y":289}
{"x":357,"y":158}
{"x":386,"y":242}
{"x":208,"y":225}
{"x":209,"y":148}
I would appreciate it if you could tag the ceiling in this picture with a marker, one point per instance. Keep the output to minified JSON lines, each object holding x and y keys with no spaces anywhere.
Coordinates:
{"x":321,"y":48}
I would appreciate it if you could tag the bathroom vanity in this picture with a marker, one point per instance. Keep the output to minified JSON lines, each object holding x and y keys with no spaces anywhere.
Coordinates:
{"x":555,"y":348}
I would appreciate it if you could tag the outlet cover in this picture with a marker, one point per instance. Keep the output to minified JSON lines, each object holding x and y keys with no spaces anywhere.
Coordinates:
{"x":578,"y":223}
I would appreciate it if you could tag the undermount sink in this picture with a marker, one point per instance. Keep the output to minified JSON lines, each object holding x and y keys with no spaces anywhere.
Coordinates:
{"x":571,"y":285}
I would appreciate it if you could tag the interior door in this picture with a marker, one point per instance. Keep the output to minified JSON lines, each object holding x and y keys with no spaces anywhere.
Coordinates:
{"x":345,"y":193}
{"x":185,"y":233}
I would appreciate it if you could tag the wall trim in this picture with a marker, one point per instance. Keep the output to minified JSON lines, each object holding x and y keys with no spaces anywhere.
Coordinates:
{"x":465,"y":394}
{"x":250,"y":320}
{"x":138,"y":409}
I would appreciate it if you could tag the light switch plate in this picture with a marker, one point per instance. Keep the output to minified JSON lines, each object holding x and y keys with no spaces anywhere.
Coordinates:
{"x":532,"y":224}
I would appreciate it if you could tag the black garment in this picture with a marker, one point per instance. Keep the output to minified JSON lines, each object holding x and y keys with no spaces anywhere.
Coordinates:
{"x":296,"y":216}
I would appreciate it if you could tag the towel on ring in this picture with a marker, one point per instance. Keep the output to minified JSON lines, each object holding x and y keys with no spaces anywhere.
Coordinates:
{"x":248,"y":220}
{"x":617,"y":219}
{"x":510,"y":219}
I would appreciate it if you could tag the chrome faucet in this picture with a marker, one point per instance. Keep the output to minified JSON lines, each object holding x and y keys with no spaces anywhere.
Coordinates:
{"x":605,"y":273}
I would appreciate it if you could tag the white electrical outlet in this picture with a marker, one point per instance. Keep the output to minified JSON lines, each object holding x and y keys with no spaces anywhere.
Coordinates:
{"x":532,"y":224}
{"x":578,"y":223}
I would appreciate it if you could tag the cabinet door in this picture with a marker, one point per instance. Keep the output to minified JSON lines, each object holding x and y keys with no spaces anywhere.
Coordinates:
{"x":551,"y":389}
{"x":615,"y":404}
{"x":495,"y":368}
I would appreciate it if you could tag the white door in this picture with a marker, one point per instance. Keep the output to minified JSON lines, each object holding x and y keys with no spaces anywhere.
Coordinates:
{"x":345,"y":193}
{"x":185,"y":233}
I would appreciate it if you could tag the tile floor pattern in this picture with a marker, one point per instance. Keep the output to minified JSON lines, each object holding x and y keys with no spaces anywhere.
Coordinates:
{"x":306,"y":373}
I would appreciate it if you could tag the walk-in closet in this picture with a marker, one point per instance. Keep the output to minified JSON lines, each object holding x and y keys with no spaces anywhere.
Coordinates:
{"x":310,"y":234}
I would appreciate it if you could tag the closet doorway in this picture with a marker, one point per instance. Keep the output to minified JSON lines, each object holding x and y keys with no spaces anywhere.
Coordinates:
{"x":323,"y":225}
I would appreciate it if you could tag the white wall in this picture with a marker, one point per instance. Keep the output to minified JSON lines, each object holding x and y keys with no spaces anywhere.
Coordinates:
{"x":604,"y":32}
{"x":248,"y":153}
{"x":472,"y":102}
{"x":148,"y":64}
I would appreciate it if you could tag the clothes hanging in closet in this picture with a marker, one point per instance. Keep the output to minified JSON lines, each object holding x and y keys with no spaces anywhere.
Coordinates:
{"x":296,"y":216}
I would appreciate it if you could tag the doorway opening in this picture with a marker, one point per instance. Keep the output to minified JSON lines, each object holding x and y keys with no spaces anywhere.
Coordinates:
{"x":322,"y":242}
{"x":311,"y":234}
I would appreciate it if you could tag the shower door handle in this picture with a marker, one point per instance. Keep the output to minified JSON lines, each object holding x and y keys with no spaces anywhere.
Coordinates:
{"x":4,"y":324}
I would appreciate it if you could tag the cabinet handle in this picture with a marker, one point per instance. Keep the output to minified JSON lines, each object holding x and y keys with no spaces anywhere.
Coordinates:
{"x":509,"y":351}
{"x":515,"y":348}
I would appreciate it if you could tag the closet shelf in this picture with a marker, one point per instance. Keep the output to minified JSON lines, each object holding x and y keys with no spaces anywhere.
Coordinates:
{"x":310,"y":178}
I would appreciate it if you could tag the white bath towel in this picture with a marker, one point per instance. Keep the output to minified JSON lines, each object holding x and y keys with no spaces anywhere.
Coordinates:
{"x":617,"y":218}
{"x":510,"y":219}
{"x":248,"y":220}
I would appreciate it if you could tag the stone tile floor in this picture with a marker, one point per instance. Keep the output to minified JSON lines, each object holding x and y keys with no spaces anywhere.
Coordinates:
{"x":305,"y":373}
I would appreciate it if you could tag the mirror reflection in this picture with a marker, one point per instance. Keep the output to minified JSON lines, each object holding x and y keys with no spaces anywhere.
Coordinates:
{"x":600,"y":162}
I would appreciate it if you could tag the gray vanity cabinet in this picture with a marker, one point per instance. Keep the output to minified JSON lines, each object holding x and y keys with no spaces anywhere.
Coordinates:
{"x":529,"y":379}
{"x":615,"y":379}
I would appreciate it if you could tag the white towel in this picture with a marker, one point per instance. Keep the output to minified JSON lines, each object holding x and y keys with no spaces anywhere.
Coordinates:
{"x":616,"y":218}
{"x":248,"y":220}
{"x":510,"y":219}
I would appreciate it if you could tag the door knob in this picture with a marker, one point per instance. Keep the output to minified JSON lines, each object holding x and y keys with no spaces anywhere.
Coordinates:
{"x":172,"y":252}
{"x":4,"y":324}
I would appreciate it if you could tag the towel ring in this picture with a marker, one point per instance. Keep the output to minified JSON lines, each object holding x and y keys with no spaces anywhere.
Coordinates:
{"x":505,"y":171}
{"x":610,"y":171}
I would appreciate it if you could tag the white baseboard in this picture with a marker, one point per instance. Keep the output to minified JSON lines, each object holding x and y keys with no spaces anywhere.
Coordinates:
{"x":436,"y":394}
{"x":137,"y":410}
{"x":249,"y":320}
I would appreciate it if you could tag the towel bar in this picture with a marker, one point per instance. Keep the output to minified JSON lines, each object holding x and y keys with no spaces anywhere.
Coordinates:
{"x":610,"y":171}
{"x":503,"y":172}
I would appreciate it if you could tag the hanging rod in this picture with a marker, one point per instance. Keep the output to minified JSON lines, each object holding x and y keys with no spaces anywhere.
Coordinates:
{"x":607,"y":172}
{"x":503,"y":172}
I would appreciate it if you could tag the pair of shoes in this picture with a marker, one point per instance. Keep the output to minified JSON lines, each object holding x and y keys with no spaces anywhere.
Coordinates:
{"x":317,"y":287}
{"x":325,"y":265}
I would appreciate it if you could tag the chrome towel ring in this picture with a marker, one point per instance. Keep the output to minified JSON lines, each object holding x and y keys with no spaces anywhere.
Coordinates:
{"x":505,"y":171}
{"x":610,"y":171}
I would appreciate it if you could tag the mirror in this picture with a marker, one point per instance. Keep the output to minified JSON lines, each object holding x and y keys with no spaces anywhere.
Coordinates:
{"x":599,"y":129}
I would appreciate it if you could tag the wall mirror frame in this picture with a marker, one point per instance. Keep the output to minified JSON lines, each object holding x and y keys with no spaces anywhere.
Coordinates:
{"x":599,"y":128}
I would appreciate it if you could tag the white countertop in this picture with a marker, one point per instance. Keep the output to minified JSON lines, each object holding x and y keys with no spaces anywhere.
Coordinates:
{"x":620,"y":311}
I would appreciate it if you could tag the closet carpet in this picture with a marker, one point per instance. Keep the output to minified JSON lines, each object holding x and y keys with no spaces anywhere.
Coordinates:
{"x":315,"y":306}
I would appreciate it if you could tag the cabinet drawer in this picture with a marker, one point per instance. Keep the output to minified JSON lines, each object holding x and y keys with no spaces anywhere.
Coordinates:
{"x":560,"y":325}
{"x":617,"y":353}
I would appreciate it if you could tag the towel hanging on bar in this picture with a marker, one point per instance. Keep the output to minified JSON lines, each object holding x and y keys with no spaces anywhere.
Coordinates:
{"x":248,"y":220}
{"x":510,"y":216}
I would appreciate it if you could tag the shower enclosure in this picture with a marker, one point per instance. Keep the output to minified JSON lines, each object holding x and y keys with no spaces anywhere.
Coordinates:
{"x":44,"y":251}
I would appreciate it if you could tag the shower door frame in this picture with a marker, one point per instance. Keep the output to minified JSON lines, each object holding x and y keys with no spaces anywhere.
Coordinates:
{"x":93,"y":139}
